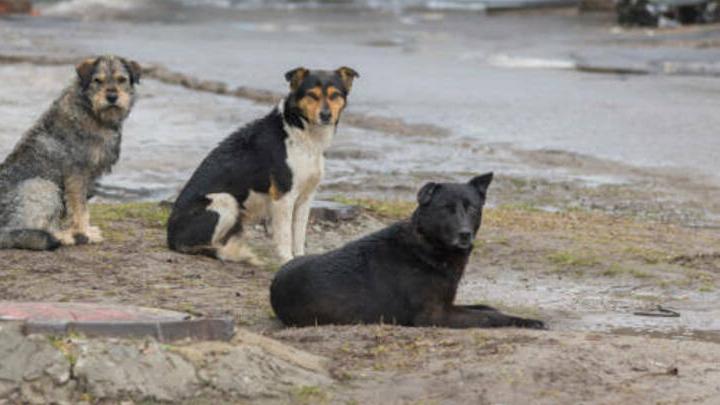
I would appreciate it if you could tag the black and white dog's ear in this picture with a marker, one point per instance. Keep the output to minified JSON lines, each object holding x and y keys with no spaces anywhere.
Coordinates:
{"x":347,"y":75}
{"x":481,"y":182}
{"x":426,"y":193}
{"x":85,"y":70}
{"x":133,"y":69}
{"x":295,"y":77}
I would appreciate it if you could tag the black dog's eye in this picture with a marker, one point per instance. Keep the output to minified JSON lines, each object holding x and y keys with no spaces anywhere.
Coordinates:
{"x":451,"y":208}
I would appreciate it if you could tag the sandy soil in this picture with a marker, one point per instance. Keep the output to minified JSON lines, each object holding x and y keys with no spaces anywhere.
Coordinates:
{"x":585,"y":272}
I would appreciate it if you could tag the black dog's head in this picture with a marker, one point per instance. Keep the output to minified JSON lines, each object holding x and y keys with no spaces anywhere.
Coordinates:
{"x":449,"y":214}
{"x":107,"y":84}
{"x":317,"y":97}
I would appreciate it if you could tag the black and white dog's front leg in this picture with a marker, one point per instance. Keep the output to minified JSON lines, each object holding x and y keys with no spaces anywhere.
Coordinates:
{"x":301,"y":216}
{"x":281,"y":211}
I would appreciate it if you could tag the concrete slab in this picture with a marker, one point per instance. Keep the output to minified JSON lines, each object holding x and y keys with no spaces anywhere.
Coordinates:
{"x":110,"y":320}
{"x":83,"y":312}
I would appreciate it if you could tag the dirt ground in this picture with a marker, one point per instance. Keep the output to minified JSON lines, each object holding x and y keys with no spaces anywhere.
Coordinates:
{"x":586,"y":244}
{"x":583,"y":271}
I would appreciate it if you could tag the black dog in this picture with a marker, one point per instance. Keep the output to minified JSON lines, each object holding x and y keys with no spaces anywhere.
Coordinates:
{"x":405,"y":274}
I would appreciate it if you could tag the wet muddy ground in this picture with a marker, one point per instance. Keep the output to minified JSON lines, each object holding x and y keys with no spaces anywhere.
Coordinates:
{"x":606,"y":203}
{"x":587,"y":273}
{"x":585,"y":249}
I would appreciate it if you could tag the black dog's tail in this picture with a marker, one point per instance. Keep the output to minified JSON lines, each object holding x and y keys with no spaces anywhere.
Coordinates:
{"x":32,"y":239}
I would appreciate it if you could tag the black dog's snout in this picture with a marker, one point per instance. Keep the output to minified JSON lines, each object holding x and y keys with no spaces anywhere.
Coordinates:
{"x":111,"y":97}
{"x":465,"y":237}
{"x":325,"y":115}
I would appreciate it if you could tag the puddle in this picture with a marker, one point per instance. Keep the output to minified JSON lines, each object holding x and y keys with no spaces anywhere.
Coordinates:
{"x":601,"y":305}
{"x":712,"y":336}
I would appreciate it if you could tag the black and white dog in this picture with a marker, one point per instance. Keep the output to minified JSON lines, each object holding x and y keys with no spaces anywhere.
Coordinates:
{"x":405,"y":274}
{"x":271,"y":167}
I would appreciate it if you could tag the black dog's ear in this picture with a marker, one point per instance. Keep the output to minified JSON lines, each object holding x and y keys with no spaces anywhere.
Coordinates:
{"x":295,"y":77}
{"x":426,"y":192}
{"x":134,"y":69}
{"x":347,"y":75}
{"x":482,"y":182}
{"x":85,"y":70}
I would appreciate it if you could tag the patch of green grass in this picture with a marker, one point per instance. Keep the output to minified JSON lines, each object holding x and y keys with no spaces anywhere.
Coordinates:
{"x":394,"y":209}
{"x":64,"y":346}
{"x":480,"y":338}
{"x":705,"y":280}
{"x":151,"y":215}
{"x":311,"y":395}
{"x":637,"y":273}
{"x":615,"y":270}
{"x":647,"y":298}
{"x":519,"y":183}
{"x":707,"y":286}
{"x":521,"y":206}
{"x":648,"y":255}
{"x":189,"y":307}
{"x":569,"y":259}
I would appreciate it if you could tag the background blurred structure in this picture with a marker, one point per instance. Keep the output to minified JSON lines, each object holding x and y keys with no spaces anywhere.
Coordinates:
{"x":653,"y":13}
{"x":15,"y":6}
{"x":667,"y":13}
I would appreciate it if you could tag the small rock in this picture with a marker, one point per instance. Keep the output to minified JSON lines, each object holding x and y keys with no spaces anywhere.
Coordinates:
{"x":332,"y":211}
{"x":32,"y":368}
{"x":124,"y":370}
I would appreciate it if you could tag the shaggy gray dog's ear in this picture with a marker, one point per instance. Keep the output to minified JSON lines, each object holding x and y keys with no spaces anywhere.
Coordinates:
{"x":426,"y":192}
{"x":85,"y":70}
{"x":295,"y":77}
{"x":481,"y":182}
{"x":134,"y":69}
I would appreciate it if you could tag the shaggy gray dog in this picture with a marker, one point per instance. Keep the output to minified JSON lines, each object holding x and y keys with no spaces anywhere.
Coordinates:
{"x":45,"y":180}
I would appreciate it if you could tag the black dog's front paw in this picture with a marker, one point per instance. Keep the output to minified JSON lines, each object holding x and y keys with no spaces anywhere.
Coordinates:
{"x":530,"y":323}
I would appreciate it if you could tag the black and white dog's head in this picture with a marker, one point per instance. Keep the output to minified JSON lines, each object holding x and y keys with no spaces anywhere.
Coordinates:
{"x":449,"y":214}
{"x":317,"y":97}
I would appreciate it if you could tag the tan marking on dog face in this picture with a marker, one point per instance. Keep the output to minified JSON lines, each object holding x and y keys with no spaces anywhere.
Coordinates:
{"x":311,"y":104}
{"x":336,"y":103}
{"x":109,"y":88}
{"x":316,"y":100}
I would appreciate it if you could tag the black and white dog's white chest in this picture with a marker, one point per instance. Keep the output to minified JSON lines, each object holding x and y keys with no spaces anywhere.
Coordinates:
{"x":305,"y":150}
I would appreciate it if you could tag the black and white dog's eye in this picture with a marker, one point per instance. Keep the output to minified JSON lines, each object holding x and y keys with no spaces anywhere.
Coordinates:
{"x":98,"y":80}
{"x":122,"y":79}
